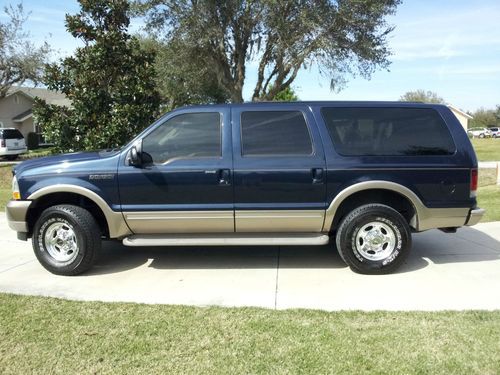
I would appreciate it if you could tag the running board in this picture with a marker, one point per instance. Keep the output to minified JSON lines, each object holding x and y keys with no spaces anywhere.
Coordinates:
{"x":285,"y":239}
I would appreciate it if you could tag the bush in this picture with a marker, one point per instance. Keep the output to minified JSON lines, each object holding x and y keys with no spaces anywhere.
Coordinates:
{"x":32,"y":141}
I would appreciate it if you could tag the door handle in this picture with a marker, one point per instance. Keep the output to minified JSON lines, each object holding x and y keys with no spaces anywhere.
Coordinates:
{"x":318,"y":175}
{"x":224,"y":176}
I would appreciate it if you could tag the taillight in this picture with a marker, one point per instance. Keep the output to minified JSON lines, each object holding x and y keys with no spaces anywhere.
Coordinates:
{"x":473,"y":182}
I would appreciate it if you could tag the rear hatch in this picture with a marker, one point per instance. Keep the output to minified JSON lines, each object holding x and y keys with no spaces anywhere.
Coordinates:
{"x":13,"y":139}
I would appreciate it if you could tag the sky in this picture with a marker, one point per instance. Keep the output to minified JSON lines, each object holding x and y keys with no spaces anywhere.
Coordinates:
{"x":451,"y":47}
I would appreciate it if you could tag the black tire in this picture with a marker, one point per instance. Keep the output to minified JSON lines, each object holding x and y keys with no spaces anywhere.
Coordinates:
{"x":481,"y":135}
{"x":356,"y":227}
{"x":84,"y":236}
{"x":11,"y":157}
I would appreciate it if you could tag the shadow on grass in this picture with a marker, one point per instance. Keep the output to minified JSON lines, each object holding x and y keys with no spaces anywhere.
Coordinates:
{"x":467,"y":245}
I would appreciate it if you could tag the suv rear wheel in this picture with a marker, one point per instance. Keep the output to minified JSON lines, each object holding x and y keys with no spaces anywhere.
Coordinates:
{"x":66,"y":240}
{"x":373,"y":239}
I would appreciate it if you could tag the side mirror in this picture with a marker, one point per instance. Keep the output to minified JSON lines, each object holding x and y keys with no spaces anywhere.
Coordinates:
{"x":135,"y":159}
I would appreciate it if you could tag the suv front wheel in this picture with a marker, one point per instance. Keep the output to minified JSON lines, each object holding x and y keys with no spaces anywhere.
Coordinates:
{"x":66,"y":240}
{"x":373,"y":239}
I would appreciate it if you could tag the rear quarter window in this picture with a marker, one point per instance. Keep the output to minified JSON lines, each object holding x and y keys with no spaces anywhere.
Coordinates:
{"x":388,"y":131}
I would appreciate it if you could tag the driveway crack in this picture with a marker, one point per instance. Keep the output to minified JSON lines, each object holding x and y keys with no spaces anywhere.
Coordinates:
{"x":277,"y":279}
{"x":17,"y":265}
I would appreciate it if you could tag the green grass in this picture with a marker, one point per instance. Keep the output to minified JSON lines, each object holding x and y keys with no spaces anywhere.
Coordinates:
{"x":488,"y":197}
{"x":5,"y":186}
{"x":38,"y":153}
{"x":487,"y":176}
{"x":46,"y":335}
{"x":487,"y":149}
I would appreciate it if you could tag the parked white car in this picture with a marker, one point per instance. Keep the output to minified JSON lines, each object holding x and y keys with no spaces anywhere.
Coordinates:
{"x":479,"y":133}
{"x":12,"y":143}
{"x":495,"y":132}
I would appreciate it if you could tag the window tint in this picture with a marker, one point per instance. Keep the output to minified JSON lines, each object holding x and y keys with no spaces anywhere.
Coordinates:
{"x":388,"y":131}
{"x":274,"y":133}
{"x":191,"y":135}
{"x":11,"y":134}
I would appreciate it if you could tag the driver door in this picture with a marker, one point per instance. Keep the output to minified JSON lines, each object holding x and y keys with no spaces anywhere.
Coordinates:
{"x":185,"y":183}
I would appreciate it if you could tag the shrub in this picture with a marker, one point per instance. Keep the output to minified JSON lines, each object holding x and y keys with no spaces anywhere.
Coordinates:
{"x":32,"y":141}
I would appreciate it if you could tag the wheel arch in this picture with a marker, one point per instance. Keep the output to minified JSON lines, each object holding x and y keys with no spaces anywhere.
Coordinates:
{"x":113,"y":222}
{"x":385,"y":192}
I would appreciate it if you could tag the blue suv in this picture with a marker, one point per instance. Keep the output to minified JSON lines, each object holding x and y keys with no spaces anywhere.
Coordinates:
{"x":363,"y":175}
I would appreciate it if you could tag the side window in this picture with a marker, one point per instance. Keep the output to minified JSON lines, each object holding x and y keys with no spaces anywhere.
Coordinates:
{"x":278,"y":133}
{"x":190,"y":135}
{"x":388,"y":131}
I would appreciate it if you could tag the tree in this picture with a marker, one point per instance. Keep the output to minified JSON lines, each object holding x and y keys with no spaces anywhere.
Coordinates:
{"x":422,"y":96}
{"x":283,"y":36}
{"x":182,"y":79}
{"x":20,"y":59}
{"x":484,"y":117}
{"x":286,"y":95}
{"x":110,"y":82}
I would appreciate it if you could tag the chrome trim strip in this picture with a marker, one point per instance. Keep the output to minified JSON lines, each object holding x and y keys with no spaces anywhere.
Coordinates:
{"x":284,"y":239}
{"x":426,"y":218}
{"x":116,"y":223}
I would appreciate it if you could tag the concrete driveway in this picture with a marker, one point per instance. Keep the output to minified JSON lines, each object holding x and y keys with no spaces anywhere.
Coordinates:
{"x":444,"y":271}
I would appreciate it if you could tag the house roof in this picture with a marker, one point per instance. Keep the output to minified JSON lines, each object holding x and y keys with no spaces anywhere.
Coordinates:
{"x":23,"y":116}
{"x":51,"y":97}
{"x":455,"y":109}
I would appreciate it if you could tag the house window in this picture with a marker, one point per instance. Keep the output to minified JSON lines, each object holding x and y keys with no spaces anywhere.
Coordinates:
{"x":16,"y":99}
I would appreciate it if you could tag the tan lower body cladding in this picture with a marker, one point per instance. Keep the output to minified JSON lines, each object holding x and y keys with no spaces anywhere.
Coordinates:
{"x":263,"y":221}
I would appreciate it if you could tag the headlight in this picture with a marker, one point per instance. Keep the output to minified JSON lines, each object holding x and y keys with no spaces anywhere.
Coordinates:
{"x":15,"y":189}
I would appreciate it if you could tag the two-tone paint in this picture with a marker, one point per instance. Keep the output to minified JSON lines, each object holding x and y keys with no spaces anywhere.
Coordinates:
{"x":241,"y":194}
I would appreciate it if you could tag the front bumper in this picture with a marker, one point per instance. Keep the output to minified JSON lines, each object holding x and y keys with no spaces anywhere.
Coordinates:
{"x":474,"y":216}
{"x":16,"y":215}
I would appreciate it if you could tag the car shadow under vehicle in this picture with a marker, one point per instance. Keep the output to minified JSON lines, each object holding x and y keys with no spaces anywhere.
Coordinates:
{"x":467,"y":245}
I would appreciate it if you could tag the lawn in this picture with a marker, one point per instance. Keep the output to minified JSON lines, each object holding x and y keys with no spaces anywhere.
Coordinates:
{"x":487,"y":149}
{"x":488,"y":197}
{"x":46,"y":335}
{"x":5,"y":185}
{"x":38,"y":153}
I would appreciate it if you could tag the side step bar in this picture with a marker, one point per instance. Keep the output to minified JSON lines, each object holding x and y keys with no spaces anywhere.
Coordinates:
{"x":227,"y":239}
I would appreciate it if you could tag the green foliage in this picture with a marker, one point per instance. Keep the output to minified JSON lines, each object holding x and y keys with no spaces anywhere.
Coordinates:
{"x":422,"y":96}
{"x":182,"y":77}
{"x":20,"y":59}
{"x":110,"y":82}
{"x":286,"y":95}
{"x":341,"y":38}
{"x":485,"y":117}
{"x":32,"y":141}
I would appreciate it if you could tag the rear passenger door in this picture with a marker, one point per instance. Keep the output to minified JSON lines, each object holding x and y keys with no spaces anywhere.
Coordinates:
{"x":279,"y":169}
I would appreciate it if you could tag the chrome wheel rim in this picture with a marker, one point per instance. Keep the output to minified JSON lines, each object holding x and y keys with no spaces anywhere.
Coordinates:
{"x":375,"y":241}
{"x":60,"y":242}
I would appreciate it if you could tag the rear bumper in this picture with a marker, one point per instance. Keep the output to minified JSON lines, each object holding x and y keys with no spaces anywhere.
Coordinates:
{"x":16,"y":215}
{"x":474,"y":216}
{"x":10,"y":151}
